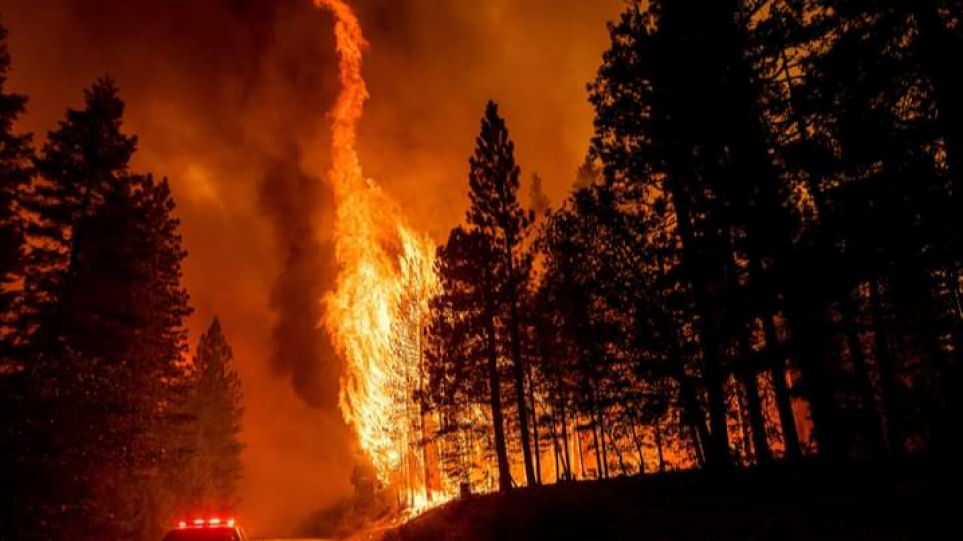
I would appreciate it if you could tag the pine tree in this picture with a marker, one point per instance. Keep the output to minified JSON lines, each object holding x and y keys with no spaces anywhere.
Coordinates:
{"x":80,"y":162}
{"x":216,"y":402}
{"x":108,"y":335}
{"x":496,"y":214}
{"x":877,"y":99}
{"x":63,"y":387}
{"x":165,"y":304}
{"x":656,"y":128}
{"x":574,"y":282}
{"x":16,"y":171}
{"x":463,"y":353}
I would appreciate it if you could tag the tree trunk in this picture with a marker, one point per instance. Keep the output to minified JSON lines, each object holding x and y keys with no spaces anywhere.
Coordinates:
{"x":777,"y":365}
{"x":538,"y":449}
{"x":581,"y":454}
{"x":555,"y":448}
{"x":518,"y":368}
{"x":743,"y":420}
{"x":692,"y":408}
{"x":495,"y":402}
{"x":717,"y":450}
{"x":639,"y":448}
{"x":600,"y":415}
{"x":787,"y":419}
{"x":598,"y":449}
{"x":421,"y":417}
{"x":696,"y":442}
{"x":658,"y":445}
{"x":757,"y":423}
{"x":618,"y":451}
{"x":753,"y":154}
{"x":568,"y":458}
{"x":748,"y":372}
{"x":894,"y":428}
{"x":803,"y":315}
{"x":864,"y":384}
{"x":820,"y":391}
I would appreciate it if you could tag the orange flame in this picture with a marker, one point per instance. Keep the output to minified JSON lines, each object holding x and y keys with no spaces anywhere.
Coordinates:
{"x":386,"y":278}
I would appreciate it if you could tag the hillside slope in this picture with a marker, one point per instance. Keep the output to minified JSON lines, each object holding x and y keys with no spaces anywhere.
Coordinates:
{"x":878,"y":503}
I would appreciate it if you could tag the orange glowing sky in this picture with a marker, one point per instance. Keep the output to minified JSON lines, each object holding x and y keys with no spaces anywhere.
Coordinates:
{"x":222,"y":91}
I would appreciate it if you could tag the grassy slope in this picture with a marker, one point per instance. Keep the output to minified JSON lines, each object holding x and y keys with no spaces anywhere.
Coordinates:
{"x":878,"y":503}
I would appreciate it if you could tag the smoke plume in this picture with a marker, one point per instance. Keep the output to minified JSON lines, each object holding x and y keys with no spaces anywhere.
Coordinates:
{"x":301,"y":350}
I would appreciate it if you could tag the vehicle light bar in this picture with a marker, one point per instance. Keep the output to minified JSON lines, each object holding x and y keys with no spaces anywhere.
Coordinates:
{"x":209,"y":523}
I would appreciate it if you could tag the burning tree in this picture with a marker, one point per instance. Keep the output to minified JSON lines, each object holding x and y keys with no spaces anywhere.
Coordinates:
{"x":386,"y":277}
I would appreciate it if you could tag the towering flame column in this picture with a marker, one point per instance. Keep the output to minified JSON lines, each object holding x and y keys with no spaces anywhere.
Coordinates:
{"x":386,"y":277}
{"x":345,"y":174}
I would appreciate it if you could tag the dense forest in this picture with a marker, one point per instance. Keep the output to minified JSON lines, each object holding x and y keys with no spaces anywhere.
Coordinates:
{"x":107,"y":428}
{"x":760,"y":260}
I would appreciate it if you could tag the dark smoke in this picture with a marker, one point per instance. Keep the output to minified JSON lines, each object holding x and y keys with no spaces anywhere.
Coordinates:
{"x":302,"y":350}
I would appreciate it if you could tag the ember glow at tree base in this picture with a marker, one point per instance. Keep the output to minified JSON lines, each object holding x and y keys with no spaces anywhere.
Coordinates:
{"x":386,"y":276}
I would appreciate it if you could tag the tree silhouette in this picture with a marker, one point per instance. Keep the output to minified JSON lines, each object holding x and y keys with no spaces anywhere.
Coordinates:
{"x":16,"y":172}
{"x":498,"y":217}
{"x":82,"y":160}
{"x":104,"y":321}
{"x":463,"y":352}
{"x":216,"y":403}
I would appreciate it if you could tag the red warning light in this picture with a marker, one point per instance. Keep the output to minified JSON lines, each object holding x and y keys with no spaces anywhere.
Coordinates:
{"x":209,"y":523}
{"x":214,"y":522}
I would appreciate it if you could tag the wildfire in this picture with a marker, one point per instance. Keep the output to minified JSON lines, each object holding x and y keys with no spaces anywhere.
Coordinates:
{"x":386,"y":278}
